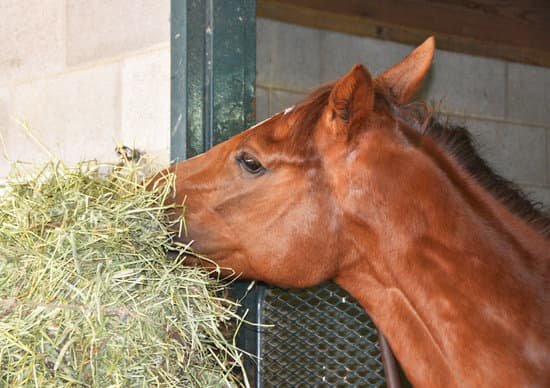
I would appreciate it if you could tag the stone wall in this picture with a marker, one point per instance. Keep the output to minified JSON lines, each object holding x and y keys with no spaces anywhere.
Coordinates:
{"x":83,"y":76}
{"x":87,"y":75}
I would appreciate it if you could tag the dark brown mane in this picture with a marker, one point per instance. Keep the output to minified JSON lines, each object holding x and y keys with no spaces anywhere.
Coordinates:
{"x":456,"y":140}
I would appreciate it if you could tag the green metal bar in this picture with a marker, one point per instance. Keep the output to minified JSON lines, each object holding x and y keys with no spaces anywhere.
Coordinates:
{"x":178,"y":81}
{"x":213,"y":72}
{"x":213,"y":76}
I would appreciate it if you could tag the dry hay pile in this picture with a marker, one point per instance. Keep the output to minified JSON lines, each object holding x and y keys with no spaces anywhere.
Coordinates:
{"x":88,"y":296}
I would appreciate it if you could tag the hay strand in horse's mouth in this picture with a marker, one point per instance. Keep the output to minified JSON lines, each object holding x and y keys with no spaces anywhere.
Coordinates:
{"x":87,"y":294}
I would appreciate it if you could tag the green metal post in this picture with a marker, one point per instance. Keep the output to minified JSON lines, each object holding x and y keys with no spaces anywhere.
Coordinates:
{"x":213,"y":70}
{"x":213,"y":75}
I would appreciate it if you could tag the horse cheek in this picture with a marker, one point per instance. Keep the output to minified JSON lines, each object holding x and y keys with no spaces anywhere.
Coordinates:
{"x":300,"y":252}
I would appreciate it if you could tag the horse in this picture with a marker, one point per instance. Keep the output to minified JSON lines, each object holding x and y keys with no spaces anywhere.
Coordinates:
{"x":361,"y":185}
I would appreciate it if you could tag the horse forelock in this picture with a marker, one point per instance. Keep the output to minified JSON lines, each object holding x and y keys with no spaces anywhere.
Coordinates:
{"x":305,"y":116}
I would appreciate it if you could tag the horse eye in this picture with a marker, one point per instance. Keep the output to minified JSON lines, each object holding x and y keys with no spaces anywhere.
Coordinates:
{"x":250,"y":163}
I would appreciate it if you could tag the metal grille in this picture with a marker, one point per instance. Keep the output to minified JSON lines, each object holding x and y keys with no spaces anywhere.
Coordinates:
{"x":320,"y":337}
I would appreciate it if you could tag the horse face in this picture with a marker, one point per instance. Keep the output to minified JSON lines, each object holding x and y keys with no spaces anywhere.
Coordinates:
{"x":260,"y":207}
{"x":271,"y":202}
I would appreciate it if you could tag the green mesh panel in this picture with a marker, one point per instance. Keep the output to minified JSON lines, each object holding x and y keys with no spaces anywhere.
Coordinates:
{"x":321,"y":337}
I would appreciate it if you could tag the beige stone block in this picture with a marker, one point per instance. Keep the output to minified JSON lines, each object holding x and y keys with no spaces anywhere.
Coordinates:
{"x":528,"y":99}
{"x":539,"y":194}
{"x":4,"y":170}
{"x":548,"y":156}
{"x":4,"y":107}
{"x":282,"y":99}
{"x":105,"y":28}
{"x":4,"y":122}
{"x":31,"y":38}
{"x":262,"y":104}
{"x":75,"y":115}
{"x":287,"y":55}
{"x":146,"y":101}
{"x":339,"y":52}
{"x":466,"y":85}
{"x":517,"y":152}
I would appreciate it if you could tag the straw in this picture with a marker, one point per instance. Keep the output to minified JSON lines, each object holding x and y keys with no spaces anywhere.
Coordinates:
{"x":94,"y":290}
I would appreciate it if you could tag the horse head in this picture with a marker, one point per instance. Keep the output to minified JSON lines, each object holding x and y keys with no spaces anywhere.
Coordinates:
{"x":270,"y":202}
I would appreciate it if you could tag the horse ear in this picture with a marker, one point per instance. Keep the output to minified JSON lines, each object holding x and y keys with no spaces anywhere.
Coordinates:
{"x":405,"y":78}
{"x":351,"y":99}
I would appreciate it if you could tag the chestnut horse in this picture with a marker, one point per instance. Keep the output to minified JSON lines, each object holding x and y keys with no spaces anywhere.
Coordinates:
{"x":357,"y":185}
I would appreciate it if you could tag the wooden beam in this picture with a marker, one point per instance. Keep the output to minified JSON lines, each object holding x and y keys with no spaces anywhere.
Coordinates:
{"x":515,"y":30}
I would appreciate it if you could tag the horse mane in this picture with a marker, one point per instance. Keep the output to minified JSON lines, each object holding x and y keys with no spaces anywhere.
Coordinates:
{"x":456,"y":140}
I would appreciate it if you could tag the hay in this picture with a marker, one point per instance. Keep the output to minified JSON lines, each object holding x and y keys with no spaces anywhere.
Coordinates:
{"x":88,"y":296}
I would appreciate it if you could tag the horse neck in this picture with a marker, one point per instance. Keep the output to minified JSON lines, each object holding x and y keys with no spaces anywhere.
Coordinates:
{"x":454,"y":280}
